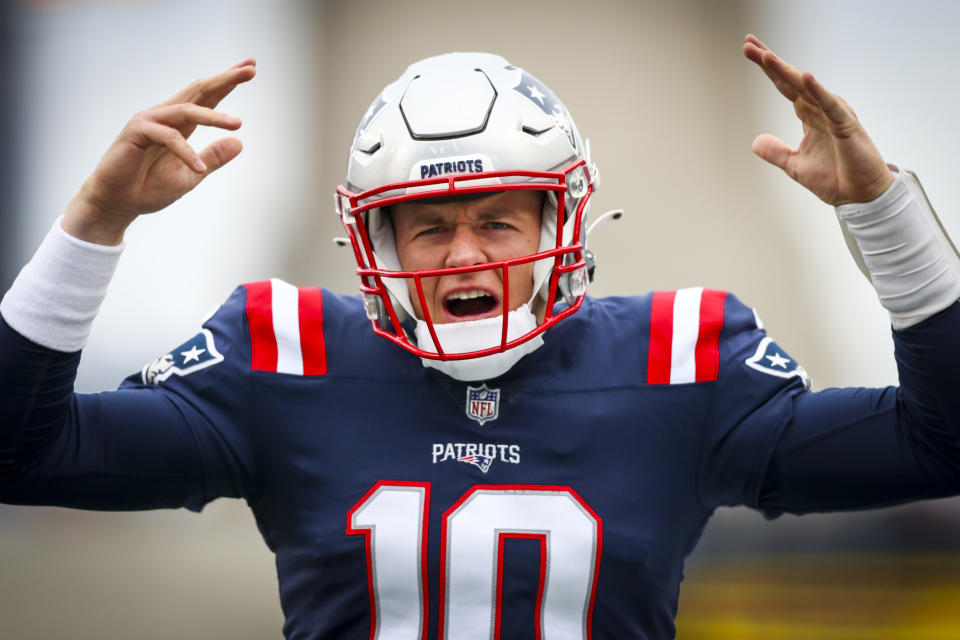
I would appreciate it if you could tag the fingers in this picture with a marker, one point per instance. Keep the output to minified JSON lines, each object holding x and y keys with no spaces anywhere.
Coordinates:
{"x":754,"y":50}
{"x":774,"y":151}
{"x":189,"y":115}
{"x":170,"y":125}
{"x":788,"y":79}
{"x":793,"y":83}
{"x":208,"y":92}
{"x":249,"y":62}
{"x":153,"y":133}
{"x":783,"y":73}
{"x":220,"y":152}
{"x":755,"y":41}
{"x":214,"y":156}
{"x":831,"y":105}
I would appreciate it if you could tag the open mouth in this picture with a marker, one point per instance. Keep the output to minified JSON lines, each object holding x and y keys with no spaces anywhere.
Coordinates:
{"x":469,"y":302}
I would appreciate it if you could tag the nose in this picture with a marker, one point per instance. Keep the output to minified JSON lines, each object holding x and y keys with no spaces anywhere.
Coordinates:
{"x":465,"y":248}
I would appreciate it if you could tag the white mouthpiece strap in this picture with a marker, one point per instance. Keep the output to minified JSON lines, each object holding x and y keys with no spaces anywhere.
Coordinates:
{"x":56,"y":296}
{"x":474,"y":335}
{"x":901,"y":246}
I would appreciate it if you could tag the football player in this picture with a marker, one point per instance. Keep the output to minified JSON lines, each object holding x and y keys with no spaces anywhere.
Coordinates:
{"x":501,"y":456}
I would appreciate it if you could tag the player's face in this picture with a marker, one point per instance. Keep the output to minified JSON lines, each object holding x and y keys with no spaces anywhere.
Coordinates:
{"x":455,"y":234}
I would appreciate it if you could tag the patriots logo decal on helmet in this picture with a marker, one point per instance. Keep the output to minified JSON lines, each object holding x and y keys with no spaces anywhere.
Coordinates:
{"x":372,"y":111}
{"x":541,"y":95}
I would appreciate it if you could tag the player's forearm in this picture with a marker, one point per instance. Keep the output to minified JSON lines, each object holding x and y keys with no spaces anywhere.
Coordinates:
{"x":914,"y":267}
{"x":46,"y":319}
{"x":863,"y":448}
{"x":36,"y":384}
{"x":858,"y":448}
{"x":121,"y":450}
{"x":927,"y":360}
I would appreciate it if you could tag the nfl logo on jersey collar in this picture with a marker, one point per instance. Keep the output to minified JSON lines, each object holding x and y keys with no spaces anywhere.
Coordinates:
{"x":483,"y":404}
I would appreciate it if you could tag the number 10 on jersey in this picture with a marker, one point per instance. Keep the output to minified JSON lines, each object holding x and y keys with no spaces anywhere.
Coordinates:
{"x":393,"y":517}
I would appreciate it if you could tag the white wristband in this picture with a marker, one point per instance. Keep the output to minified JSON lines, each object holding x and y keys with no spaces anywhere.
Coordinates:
{"x":56,"y":296}
{"x":900,"y":245}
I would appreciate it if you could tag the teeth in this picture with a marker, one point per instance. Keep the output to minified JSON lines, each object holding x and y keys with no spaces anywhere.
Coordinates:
{"x":468,"y":294}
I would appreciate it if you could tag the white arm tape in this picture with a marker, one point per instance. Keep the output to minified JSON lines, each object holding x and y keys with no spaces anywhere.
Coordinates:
{"x":56,"y":296}
{"x":900,"y":245}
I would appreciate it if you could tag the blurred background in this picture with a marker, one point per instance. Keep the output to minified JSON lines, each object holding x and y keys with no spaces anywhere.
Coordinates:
{"x":670,"y":106}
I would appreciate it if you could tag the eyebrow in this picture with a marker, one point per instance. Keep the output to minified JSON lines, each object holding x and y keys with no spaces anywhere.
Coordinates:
{"x":433,"y":217}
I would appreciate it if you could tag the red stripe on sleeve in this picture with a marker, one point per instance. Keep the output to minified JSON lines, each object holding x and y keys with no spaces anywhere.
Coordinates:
{"x":263,"y":342}
{"x":708,"y":341}
{"x":312,"y":346}
{"x":661,"y":337}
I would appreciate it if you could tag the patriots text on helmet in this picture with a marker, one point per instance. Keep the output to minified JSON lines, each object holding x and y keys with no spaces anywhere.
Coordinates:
{"x":432,"y":170}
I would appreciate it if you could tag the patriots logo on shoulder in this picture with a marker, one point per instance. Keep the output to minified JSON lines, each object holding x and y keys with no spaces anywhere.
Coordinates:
{"x":769,"y":358}
{"x":483,"y":404}
{"x":199,"y":352}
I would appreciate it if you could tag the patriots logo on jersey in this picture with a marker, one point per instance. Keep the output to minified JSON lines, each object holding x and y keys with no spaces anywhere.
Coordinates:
{"x":480,"y":462}
{"x":483,"y":404}
{"x":769,"y":358}
{"x":482,"y":455}
{"x":199,"y":352}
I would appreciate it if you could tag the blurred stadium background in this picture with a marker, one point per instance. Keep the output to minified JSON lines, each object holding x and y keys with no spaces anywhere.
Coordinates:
{"x":670,"y":106}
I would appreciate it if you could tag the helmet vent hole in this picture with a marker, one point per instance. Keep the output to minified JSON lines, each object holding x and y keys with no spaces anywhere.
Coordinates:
{"x":535,"y":131}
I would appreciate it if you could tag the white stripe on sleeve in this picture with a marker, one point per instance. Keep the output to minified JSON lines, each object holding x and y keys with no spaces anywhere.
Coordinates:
{"x":286,"y":326}
{"x":686,"y":328}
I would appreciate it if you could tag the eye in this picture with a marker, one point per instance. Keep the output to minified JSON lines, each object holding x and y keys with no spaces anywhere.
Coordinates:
{"x":429,"y":231}
{"x":498,"y":226}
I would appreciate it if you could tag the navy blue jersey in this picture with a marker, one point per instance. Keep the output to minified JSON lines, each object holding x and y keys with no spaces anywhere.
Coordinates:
{"x":557,"y":501}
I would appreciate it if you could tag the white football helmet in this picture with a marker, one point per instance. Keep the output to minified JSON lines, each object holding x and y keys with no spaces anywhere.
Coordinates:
{"x":467,"y":124}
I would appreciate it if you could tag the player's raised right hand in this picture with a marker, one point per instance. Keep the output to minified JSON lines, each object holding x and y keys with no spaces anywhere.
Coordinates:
{"x":150,"y":164}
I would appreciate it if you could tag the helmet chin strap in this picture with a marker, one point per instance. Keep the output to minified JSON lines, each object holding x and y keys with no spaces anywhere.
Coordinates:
{"x":473,"y":335}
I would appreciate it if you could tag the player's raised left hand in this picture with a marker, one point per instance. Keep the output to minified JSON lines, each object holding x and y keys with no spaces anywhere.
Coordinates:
{"x":836,"y":159}
{"x":151,"y":164}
